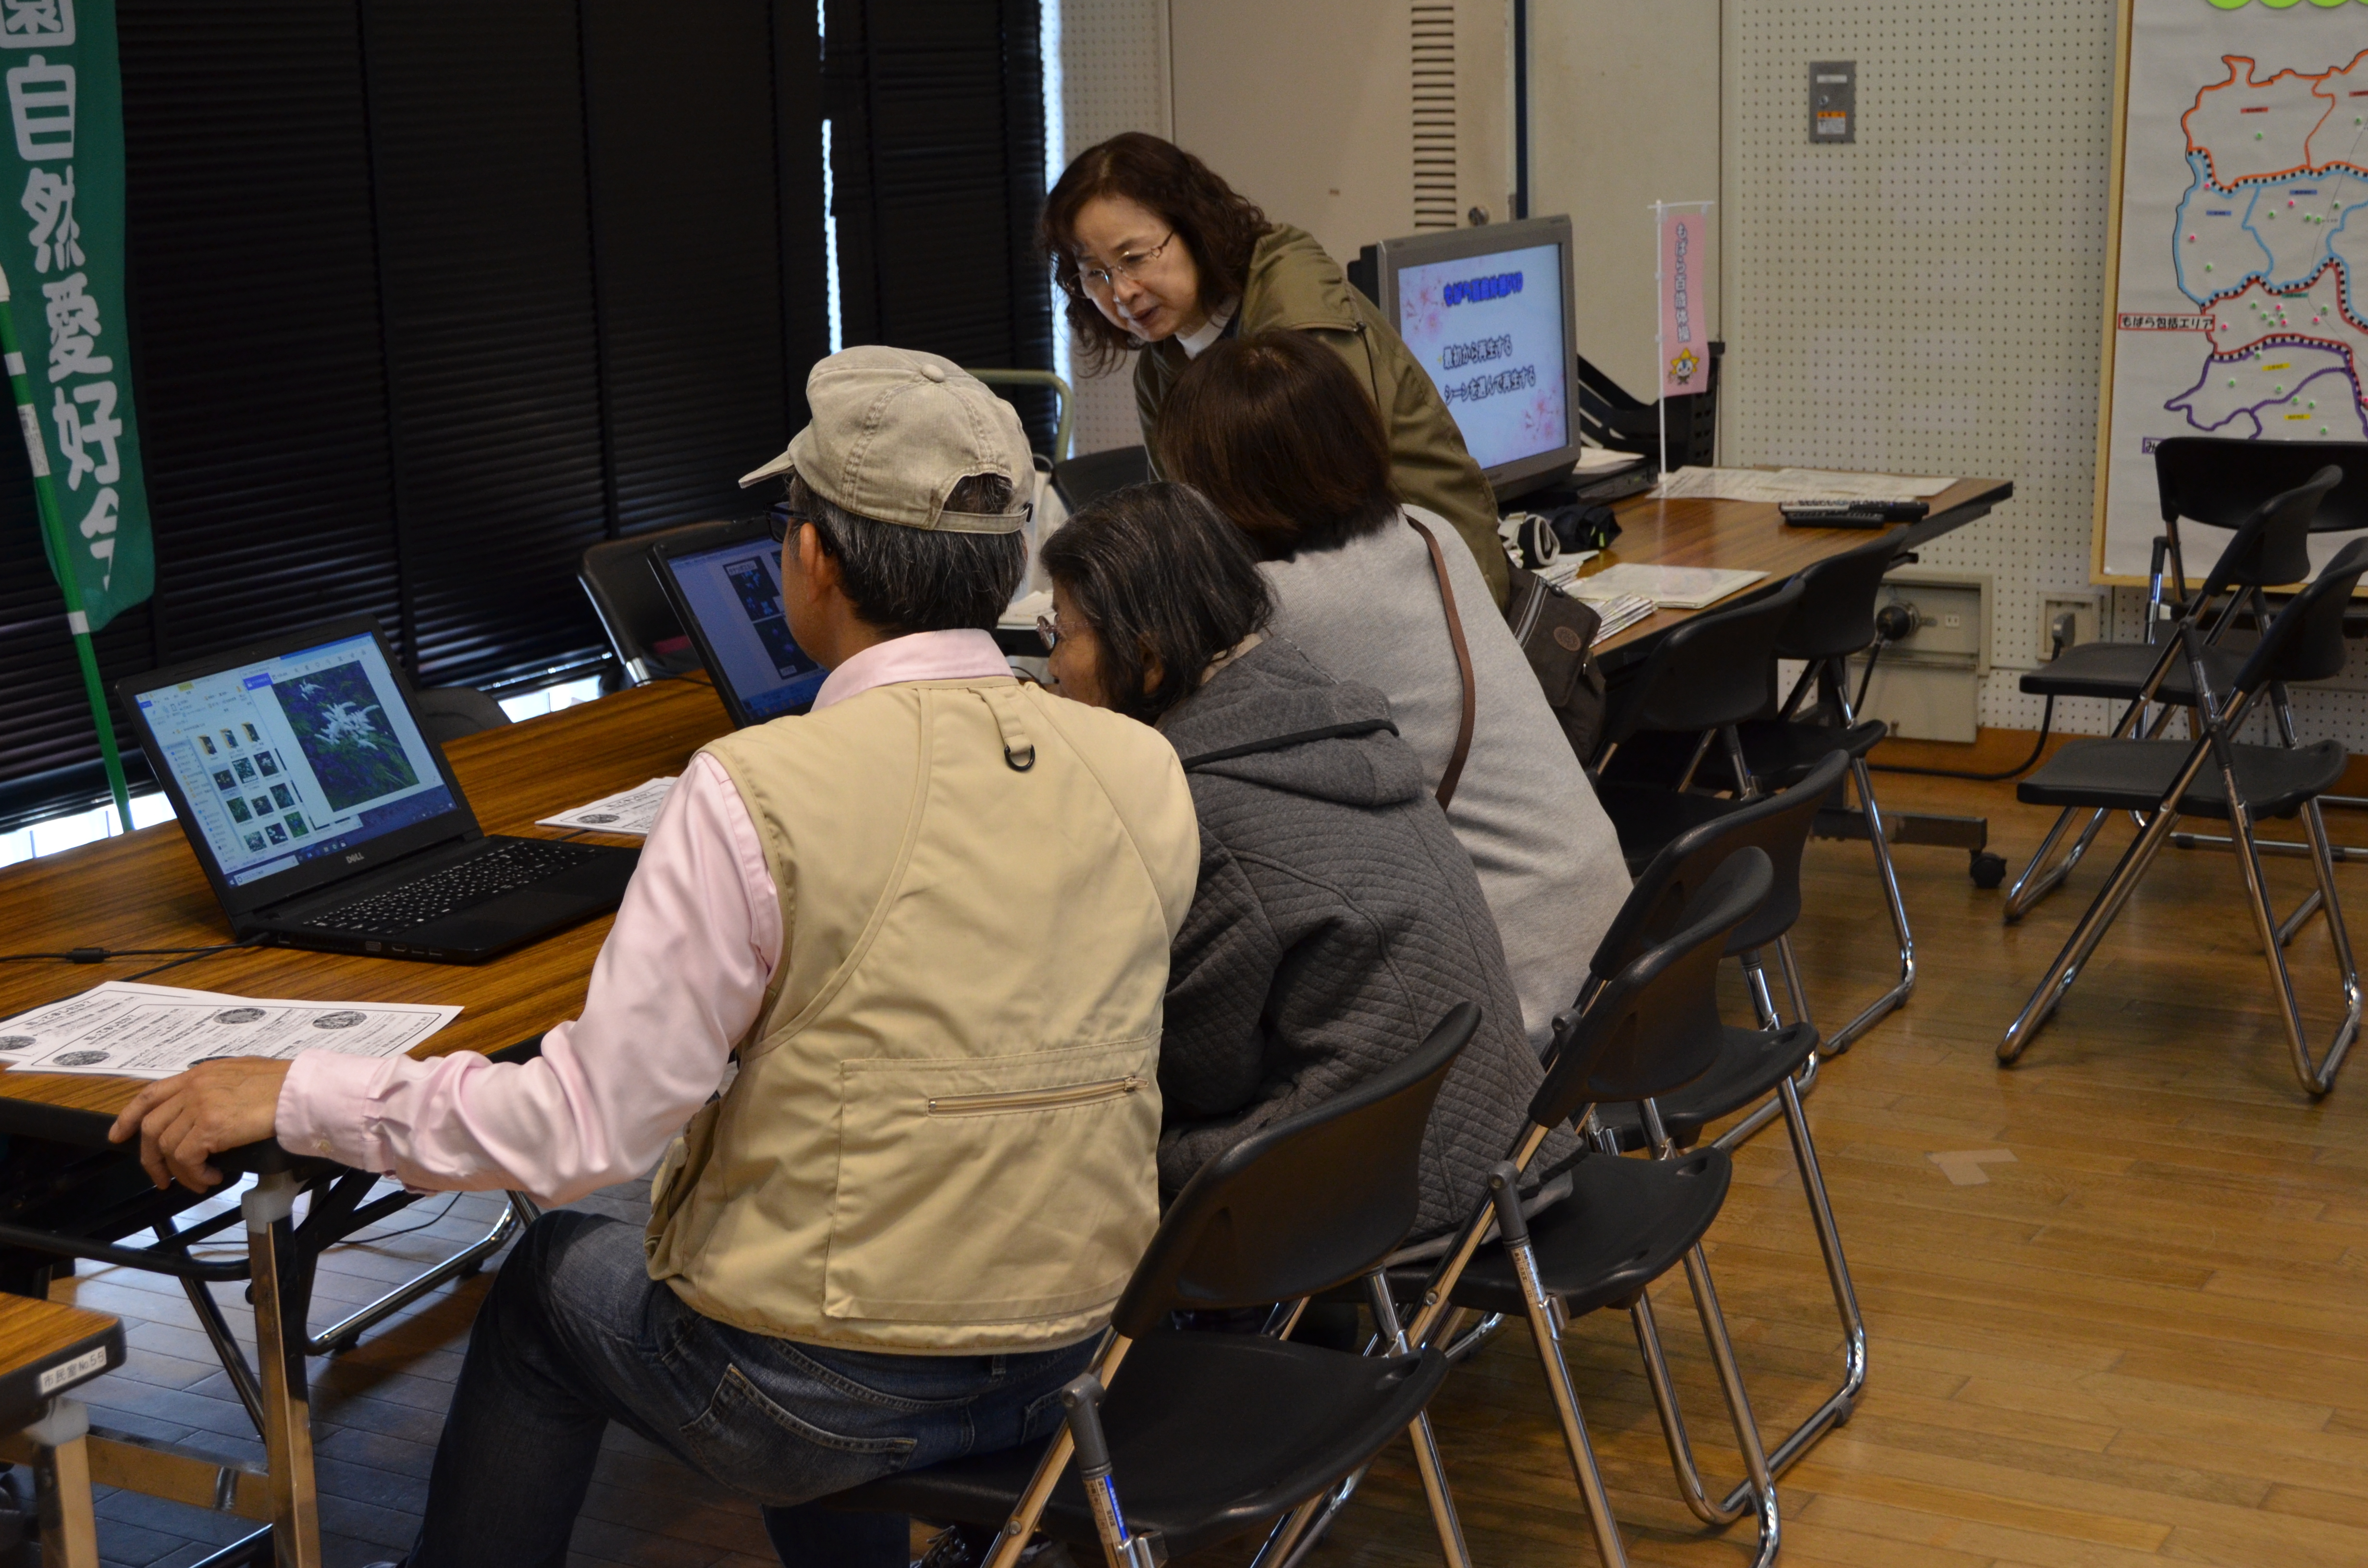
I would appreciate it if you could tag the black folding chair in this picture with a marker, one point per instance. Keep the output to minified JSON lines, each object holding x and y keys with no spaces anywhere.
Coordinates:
{"x":2270,"y":547}
{"x":1650,"y":1031}
{"x":1202,"y":1435}
{"x":2213,"y":776}
{"x":1771,"y":1066}
{"x":1833,"y":620}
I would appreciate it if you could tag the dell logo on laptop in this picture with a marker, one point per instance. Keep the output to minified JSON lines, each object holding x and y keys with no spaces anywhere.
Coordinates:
{"x":355,"y":859}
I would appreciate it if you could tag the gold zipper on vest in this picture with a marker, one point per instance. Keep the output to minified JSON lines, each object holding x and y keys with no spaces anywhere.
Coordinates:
{"x":1036,"y":1099}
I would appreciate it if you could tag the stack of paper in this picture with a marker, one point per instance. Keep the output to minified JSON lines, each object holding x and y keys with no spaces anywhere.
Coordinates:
{"x":1620,"y":613}
{"x":630,"y":811}
{"x":1669,"y":587}
{"x":126,"y":1031}
{"x":1796,"y":484}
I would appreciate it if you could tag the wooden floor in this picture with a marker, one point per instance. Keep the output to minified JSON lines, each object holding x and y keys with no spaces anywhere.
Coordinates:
{"x":2140,"y":1336}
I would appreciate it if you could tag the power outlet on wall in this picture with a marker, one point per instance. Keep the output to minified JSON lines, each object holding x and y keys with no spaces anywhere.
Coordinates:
{"x":2087,"y":613}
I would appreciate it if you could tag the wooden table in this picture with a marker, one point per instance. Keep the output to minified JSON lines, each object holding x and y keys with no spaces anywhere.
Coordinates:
{"x":45,"y":1350}
{"x":1752,"y":536}
{"x":145,"y":889}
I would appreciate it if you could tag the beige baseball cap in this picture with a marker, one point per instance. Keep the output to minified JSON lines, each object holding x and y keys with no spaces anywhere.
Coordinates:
{"x":895,"y":430}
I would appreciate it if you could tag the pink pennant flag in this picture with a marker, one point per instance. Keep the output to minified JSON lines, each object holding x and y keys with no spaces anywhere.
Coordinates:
{"x":1685,"y":336}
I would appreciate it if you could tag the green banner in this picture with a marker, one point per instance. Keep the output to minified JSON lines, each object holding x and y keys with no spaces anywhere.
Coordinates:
{"x":62,"y":160}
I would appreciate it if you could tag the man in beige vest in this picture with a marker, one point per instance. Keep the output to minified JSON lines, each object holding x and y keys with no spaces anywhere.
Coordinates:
{"x":898,"y":963}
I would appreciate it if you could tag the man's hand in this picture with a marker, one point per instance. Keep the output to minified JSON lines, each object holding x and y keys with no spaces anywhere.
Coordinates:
{"x":212,"y":1107}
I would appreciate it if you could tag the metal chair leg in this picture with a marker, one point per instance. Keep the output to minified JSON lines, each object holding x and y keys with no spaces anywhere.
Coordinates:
{"x":1841,"y":1038}
{"x":1545,"y":1327}
{"x":1058,"y":1454}
{"x":2094,"y":924}
{"x":1793,"y":986}
{"x":1836,"y":1410}
{"x":1763,"y":1001}
{"x":2319,"y":1078}
{"x":1738,"y":1404}
{"x":2032,"y":885}
{"x":1426,"y":1443}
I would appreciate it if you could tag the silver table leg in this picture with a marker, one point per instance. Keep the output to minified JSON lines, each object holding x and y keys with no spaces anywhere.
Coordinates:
{"x":287,"y":1392}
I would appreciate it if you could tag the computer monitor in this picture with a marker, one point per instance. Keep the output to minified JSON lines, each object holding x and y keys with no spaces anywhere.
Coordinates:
{"x":1487,"y":312}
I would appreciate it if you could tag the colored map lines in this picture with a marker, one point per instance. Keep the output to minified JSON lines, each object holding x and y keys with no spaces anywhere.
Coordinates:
{"x":2249,"y":129}
{"x":2264,"y":242}
{"x":2285,"y":365}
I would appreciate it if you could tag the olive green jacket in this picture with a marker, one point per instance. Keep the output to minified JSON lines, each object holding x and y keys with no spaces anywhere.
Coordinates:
{"x":1293,"y":286}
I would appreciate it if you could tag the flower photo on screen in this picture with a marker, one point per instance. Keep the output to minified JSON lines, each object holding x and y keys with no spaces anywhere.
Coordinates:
{"x":345,"y":734}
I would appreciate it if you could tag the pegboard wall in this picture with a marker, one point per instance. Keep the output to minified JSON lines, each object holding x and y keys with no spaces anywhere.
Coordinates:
{"x":1928,"y":299}
{"x":1113,"y":58}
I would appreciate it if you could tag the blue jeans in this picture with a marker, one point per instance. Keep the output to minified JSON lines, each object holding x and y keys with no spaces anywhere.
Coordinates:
{"x":575,"y":1335}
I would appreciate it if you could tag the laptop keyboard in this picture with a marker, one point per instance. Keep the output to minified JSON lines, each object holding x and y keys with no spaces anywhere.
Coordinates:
{"x":478,"y":880}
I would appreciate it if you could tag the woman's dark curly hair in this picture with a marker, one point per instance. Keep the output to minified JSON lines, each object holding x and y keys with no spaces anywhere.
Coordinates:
{"x":1217,"y":223}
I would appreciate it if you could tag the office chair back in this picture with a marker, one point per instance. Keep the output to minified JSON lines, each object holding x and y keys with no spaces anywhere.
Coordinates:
{"x":1718,"y":668}
{"x":448,"y":712}
{"x":2305,"y":642}
{"x":1836,"y":616}
{"x":1089,"y":476}
{"x":1776,"y":824}
{"x":2272,"y":544}
{"x":1655,"y":1027}
{"x":1309,"y":1203}
{"x":2219,"y":481}
{"x":644,"y":632}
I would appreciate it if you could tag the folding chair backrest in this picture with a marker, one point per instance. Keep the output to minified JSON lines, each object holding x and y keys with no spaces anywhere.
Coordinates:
{"x":633,"y":611}
{"x":1655,"y":1027}
{"x":1777,"y":823}
{"x":1308,"y":1203}
{"x":1836,"y":615}
{"x":2220,"y":482}
{"x":2272,"y":544}
{"x":2305,"y":642}
{"x":1717,"y":668}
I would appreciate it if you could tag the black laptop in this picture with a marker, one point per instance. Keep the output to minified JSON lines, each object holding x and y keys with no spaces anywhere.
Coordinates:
{"x":726,"y":589}
{"x":325,"y":818}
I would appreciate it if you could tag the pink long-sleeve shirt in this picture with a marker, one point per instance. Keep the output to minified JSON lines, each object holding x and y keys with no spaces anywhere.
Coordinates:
{"x":677,"y":983}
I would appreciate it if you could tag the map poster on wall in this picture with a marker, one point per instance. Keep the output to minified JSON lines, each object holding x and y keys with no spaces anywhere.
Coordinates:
{"x":2233,"y":300}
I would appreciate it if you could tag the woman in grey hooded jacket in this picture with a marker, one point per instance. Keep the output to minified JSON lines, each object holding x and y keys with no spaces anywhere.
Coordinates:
{"x":1337,"y":917}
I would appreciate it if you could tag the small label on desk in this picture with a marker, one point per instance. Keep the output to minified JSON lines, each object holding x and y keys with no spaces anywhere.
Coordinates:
{"x":90,"y":1363}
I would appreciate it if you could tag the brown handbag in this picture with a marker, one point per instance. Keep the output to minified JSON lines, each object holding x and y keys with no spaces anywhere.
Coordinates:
{"x":1556,"y":633}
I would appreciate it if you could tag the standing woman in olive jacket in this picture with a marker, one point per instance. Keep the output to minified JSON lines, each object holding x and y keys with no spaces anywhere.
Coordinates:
{"x":1156,"y":252}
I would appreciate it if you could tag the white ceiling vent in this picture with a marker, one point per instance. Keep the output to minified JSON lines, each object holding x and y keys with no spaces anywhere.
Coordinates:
{"x":1433,"y":96}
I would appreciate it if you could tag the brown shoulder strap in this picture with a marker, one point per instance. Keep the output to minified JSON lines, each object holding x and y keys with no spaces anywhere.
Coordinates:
{"x":1447,"y":780}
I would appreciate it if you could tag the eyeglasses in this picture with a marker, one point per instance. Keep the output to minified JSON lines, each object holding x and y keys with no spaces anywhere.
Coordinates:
{"x":1049,"y":629}
{"x":783,"y":519}
{"x":1102,"y":279}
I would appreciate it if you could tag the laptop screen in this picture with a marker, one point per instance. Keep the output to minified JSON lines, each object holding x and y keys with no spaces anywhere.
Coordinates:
{"x":295,"y":756}
{"x":736,"y":592}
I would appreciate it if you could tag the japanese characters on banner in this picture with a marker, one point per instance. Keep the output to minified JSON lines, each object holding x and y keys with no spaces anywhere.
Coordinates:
{"x":63,"y":166}
{"x":1684,"y":340}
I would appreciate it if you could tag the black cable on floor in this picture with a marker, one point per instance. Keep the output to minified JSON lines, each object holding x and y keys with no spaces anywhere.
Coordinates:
{"x":2046,"y":718}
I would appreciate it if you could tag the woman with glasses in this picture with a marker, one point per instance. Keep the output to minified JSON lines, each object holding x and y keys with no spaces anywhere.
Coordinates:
{"x":1337,"y":919}
{"x":1156,"y":252}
